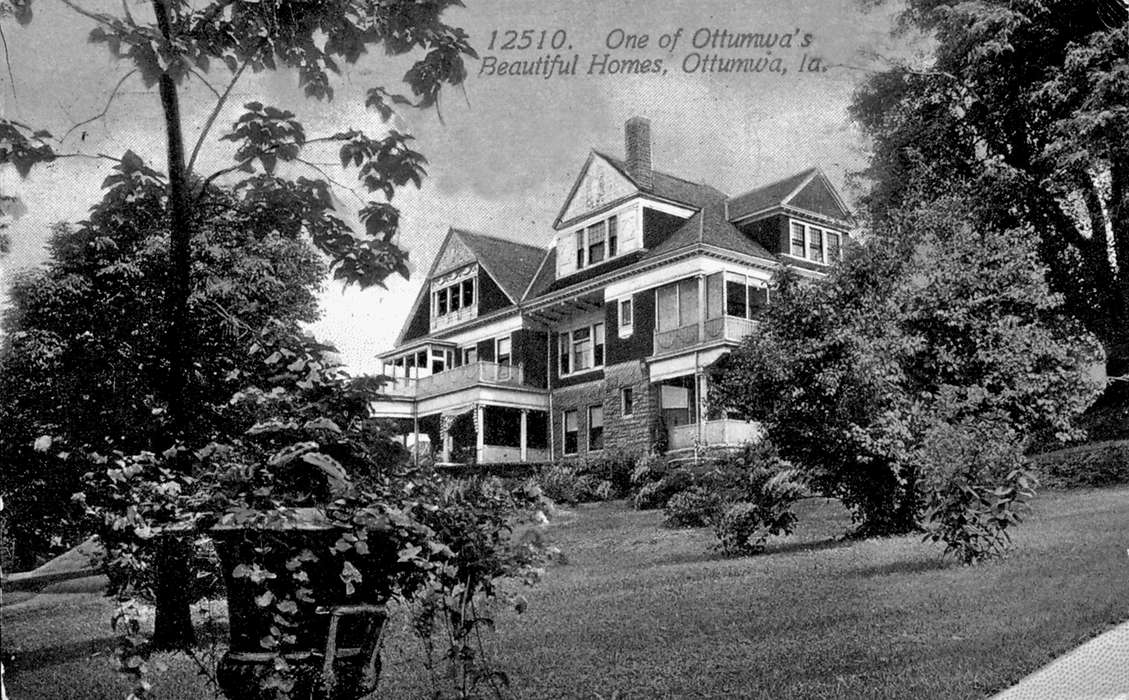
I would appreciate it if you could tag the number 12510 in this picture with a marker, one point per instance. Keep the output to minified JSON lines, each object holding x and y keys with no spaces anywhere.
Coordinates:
{"x":511,"y":39}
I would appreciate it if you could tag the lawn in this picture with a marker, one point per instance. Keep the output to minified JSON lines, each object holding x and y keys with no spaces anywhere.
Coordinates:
{"x":640,"y":611}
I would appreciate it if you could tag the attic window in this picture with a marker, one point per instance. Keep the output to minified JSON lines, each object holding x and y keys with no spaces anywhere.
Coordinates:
{"x":597,"y":243}
{"x":814,"y":243}
{"x":450,"y":298}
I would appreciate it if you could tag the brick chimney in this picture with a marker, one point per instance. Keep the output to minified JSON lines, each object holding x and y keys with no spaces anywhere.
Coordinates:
{"x":638,"y":133}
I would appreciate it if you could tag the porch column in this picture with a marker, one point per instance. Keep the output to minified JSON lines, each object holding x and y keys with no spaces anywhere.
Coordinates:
{"x":524,"y":434}
{"x":479,"y":432}
{"x":445,"y":436}
{"x":701,"y":308}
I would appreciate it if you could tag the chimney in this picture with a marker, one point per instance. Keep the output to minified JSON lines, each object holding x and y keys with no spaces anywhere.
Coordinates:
{"x":638,"y":132}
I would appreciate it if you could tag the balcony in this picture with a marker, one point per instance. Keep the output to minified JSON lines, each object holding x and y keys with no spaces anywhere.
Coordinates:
{"x":456,"y":378}
{"x":453,"y":318}
{"x":723,"y":329}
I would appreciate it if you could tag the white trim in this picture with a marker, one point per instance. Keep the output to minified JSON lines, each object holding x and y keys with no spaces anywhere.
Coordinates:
{"x":567,"y":332}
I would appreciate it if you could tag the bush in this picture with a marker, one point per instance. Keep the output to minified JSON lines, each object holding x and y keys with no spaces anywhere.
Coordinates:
{"x":979,"y":487}
{"x":589,"y":480}
{"x":656,"y":494}
{"x":1102,"y":464}
{"x":746,"y":525}
{"x":696,"y":507}
{"x":561,"y":483}
{"x":648,"y":469}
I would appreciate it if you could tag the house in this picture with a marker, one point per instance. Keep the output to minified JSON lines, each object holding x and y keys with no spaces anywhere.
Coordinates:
{"x":600,"y":342}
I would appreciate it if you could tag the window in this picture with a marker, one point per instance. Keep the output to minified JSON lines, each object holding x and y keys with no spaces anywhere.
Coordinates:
{"x":502,"y":353}
{"x":797,"y":239}
{"x":470,"y":355}
{"x":627,"y":396}
{"x":571,"y":433}
{"x":625,"y":314}
{"x":677,"y":304}
{"x":833,"y":252}
{"x":581,"y":349}
{"x":735,"y":302}
{"x":595,"y":428}
{"x":815,"y":244}
{"x":596,"y":247}
{"x":597,"y":243}
{"x":452,"y":296}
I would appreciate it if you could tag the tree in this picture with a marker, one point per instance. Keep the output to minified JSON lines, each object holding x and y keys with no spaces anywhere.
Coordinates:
{"x":183,"y":41}
{"x":1023,"y":109}
{"x":931,"y":322}
{"x":83,"y":357}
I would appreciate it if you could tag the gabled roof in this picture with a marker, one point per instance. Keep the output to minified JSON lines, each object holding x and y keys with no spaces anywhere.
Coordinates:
{"x":808,"y":190}
{"x":668,"y":186}
{"x":511,"y":264}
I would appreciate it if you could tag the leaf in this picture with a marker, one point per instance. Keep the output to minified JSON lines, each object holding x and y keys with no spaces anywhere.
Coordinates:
{"x":265,"y":599}
{"x":335,"y":474}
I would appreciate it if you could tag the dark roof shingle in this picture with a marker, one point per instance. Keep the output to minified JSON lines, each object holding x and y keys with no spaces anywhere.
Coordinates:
{"x":768,"y":196}
{"x":510,"y":263}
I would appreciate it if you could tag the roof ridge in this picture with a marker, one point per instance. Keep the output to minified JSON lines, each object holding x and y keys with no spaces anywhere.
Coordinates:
{"x":622,"y":162}
{"x":805,"y":172}
{"x":500,"y":239}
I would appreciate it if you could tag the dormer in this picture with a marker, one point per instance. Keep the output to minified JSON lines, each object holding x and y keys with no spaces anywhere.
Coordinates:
{"x":802,"y":219}
{"x":618,"y":207}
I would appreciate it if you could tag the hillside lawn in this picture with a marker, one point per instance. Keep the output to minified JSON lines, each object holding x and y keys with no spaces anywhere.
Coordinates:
{"x":639,"y":611}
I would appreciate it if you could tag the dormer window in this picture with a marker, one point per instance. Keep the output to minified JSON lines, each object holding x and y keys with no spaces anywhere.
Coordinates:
{"x":814,"y":243}
{"x":597,"y":243}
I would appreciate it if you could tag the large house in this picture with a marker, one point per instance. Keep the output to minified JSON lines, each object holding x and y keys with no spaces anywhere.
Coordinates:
{"x":600,"y":343}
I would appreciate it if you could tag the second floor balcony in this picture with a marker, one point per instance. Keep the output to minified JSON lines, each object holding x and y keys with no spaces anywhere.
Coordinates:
{"x":723,"y":329}
{"x":456,"y":378}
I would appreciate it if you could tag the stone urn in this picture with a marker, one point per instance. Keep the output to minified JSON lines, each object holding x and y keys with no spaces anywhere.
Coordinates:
{"x":335,"y":652}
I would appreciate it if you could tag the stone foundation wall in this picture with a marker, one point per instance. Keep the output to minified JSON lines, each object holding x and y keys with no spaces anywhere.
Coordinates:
{"x":622,"y":434}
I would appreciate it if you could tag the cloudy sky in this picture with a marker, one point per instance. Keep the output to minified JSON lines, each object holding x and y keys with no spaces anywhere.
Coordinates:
{"x":506,"y":149}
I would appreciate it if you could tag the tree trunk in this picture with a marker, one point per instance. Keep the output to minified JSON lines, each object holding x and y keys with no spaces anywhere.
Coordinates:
{"x":173,"y":623}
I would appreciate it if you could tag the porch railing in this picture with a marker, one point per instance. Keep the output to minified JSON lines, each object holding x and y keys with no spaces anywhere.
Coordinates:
{"x":456,"y":378}
{"x":728,"y":328}
{"x":714,"y":432}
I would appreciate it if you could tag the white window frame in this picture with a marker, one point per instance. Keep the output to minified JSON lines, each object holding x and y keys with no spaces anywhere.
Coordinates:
{"x":566,"y":336}
{"x":451,"y":291}
{"x":498,"y":349}
{"x":824,"y":252}
{"x":581,"y":235}
{"x":627,"y":321}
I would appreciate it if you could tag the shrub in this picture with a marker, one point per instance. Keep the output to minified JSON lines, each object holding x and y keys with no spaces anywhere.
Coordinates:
{"x":747,"y":524}
{"x":695,"y":507}
{"x":648,"y":469}
{"x":979,"y":487}
{"x":656,"y":494}
{"x":561,"y":483}
{"x":1103,"y":464}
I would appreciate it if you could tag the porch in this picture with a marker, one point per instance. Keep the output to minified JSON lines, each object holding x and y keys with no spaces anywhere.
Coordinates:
{"x":723,"y":432}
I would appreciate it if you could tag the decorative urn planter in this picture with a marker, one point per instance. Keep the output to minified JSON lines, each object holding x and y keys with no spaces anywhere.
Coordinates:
{"x":329,"y":640}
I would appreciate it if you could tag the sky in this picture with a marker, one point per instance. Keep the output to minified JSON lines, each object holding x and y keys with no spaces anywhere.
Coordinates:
{"x":503,"y":150}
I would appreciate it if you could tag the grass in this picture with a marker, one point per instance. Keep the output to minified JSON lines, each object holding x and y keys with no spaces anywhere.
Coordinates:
{"x":640,"y":612}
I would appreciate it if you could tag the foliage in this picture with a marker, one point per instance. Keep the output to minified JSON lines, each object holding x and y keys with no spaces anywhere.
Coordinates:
{"x":586,"y":480}
{"x":746,"y":525}
{"x":657,"y":493}
{"x":979,"y":485}
{"x":932,"y":321}
{"x":1022,"y":107}
{"x":1101,"y":464}
{"x":695,"y":507}
{"x":83,"y":354}
{"x":304,"y":462}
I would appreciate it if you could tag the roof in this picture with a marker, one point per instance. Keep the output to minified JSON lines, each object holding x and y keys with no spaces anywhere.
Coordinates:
{"x":510,"y":263}
{"x":711,"y":227}
{"x":809,"y":190}
{"x":668,"y":186}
